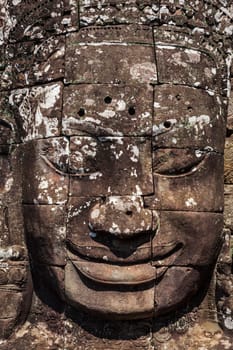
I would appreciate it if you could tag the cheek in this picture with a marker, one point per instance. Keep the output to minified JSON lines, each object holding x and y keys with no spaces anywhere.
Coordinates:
{"x":195,"y":238}
{"x":179,"y":284}
{"x":45,"y":227}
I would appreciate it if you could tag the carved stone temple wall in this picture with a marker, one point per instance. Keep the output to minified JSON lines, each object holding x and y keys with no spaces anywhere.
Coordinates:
{"x":116,"y":183}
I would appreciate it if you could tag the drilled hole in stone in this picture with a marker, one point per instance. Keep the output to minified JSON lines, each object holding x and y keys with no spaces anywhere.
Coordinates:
{"x":190,"y":109}
{"x":129,"y":213}
{"x":132,"y":110}
{"x":81,"y":112}
{"x":178,"y":97}
{"x":167,"y":124}
{"x":108,"y":99}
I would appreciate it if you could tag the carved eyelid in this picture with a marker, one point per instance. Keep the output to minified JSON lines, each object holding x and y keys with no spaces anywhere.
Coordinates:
{"x":194,"y":169}
{"x":50,"y":164}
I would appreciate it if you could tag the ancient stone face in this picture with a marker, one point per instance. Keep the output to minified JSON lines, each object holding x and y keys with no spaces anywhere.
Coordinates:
{"x":123,"y":172}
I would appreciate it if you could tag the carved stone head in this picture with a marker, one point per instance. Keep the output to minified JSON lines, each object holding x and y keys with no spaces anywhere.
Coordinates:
{"x":122,"y":164}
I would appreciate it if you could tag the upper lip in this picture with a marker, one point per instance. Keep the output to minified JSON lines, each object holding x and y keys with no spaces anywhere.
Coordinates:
{"x":162,"y":254}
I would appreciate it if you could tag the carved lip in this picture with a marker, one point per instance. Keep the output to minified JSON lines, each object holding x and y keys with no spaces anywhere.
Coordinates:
{"x":115,"y":274}
{"x":122,"y":274}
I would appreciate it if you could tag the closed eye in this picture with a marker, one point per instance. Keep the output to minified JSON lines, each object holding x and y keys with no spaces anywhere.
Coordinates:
{"x":177,"y":162}
{"x":64,"y":170}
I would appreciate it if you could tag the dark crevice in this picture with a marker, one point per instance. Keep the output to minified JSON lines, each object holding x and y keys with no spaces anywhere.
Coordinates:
{"x":5,"y":124}
{"x":229,"y":132}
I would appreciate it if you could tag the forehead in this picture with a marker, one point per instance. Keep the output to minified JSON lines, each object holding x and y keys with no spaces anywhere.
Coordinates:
{"x":128,"y":82}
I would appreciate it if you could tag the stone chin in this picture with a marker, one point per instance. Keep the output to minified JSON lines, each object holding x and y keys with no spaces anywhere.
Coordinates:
{"x":128,"y":292}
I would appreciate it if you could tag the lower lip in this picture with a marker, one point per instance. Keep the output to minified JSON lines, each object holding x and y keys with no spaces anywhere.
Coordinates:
{"x":118,"y":275}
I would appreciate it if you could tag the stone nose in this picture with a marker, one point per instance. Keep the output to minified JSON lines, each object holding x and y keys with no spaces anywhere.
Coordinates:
{"x":123,"y":217}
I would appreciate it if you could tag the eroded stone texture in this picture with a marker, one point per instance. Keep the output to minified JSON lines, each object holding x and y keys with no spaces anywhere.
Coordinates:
{"x":183,"y":187}
{"x":188,"y":117}
{"x":110,"y":166}
{"x":49,"y":234}
{"x":115,"y":57}
{"x":86,"y":215}
{"x":33,"y":62}
{"x":171,"y":63}
{"x":26,"y":20}
{"x":111,"y":151}
{"x":104,"y":110}
{"x":46,"y":161}
{"x":37,"y":110}
{"x":118,"y":12}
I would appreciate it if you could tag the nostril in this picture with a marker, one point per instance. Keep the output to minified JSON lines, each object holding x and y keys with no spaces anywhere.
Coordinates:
{"x":129,"y":213}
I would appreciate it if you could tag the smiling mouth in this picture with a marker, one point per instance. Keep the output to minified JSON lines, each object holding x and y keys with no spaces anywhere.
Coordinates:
{"x":133,"y":274}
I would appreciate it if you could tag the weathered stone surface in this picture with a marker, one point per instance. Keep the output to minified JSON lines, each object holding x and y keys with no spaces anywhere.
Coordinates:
{"x":49,"y":283}
{"x":177,"y":284}
{"x":179,"y":66}
{"x":230,"y":110}
{"x":192,"y":186}
{"x":120,"y":178}
{"x":38,"y":20}
{"x":110,"y":166}
{"x":107,"y":245}
{"x":131,"y":34}
{"x":15,"y":290}
{"x":228,"y":161}
{"x":187,"y":239}
{"x":192,"y":13}
{"x":112,"y":61}
{"x":107,"y":110}
{"x":122,"y":303}
{"x":188,"y":117}
{"x":45,"y":229}
{"x":37,"y":110}
{"x":29,"y":63}
{"x":7,"y":122}
{"x":118,"y":12}
{"x":4,"y":226}
{"x":228,"y":213}
{"x":45,"y":161}
{"x":133,"y":218}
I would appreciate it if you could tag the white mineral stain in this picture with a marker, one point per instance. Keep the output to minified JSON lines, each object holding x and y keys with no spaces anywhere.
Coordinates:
{"x":16,"y":2}
{"x":211,"y":93}
{"x":138,"y":190}
{"x":135,"y":152}
{"x":94,"y":176}
{"x":200,"y":120}
{"x":118,"y":155}
{"x":145,"y":115}
{"x":95,"y":213}
{"x":190,"y":202}
{"x":198,"y":153}
{"x":90,"y":102}
{"x":50,"y":95}
{"x":9,"y":253}
{"x":107,"y":114}
{"x":8,"y":184}
{"x":121,"y":105}
{"x":166,"y":47}
{"x":228,"y":322}
{"x":144,"y":71}
{"x":115,"y":228}
{"x":134,"y":173}
{"x":89,"y":150}
{"x":194,"y":56}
